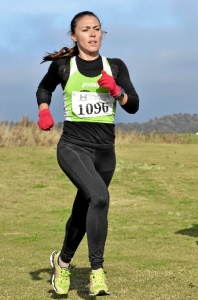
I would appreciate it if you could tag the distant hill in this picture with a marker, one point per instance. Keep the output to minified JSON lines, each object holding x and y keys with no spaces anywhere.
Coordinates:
{"x":178,"y":123}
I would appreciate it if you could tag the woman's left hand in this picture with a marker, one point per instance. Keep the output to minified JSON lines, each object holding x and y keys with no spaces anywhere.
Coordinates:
{"x":107,"y":81}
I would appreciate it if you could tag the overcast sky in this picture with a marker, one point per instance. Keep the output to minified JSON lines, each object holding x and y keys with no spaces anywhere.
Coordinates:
{"x":157,"y":40}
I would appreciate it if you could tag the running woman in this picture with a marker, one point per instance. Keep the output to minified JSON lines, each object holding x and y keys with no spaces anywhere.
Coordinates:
{"x":93,"y":86}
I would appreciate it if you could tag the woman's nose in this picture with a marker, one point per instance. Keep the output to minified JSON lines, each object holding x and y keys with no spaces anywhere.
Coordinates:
{"x":92,"y":32}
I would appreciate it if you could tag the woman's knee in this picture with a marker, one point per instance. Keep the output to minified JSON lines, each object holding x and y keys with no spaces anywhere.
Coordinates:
{"x":100,"y":199}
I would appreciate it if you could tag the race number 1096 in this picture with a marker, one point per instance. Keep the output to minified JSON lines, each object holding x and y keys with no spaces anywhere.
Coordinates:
{"x":92,"y":105}
{"x":99,"y":108}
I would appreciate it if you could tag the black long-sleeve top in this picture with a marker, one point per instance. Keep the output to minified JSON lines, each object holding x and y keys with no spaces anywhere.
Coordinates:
{"x":86,"y":133}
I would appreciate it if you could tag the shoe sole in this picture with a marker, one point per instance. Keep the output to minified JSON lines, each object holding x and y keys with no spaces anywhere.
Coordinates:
{"x":100,"y":293}
{"x":52,"y":265}
{"x":52,"y":258}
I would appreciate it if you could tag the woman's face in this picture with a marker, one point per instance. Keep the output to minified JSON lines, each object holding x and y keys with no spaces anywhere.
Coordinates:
{"x":88,"y":36}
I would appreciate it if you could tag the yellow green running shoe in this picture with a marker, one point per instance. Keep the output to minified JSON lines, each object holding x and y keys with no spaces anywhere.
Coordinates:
{"x":98,"y":286}
{"x":61,"y":276}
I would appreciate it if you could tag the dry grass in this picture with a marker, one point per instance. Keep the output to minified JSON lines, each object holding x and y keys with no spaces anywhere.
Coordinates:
{"x":27,"y":133}
{"x":165,"y":138}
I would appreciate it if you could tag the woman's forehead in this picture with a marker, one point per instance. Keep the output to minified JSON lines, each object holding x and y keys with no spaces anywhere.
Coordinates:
{"x":88,"y":20}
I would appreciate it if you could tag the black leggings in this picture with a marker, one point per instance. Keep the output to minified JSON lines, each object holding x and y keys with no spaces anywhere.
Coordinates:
{"x":91,"y":171}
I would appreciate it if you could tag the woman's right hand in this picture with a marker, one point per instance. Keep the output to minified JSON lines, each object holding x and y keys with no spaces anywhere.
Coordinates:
{"x":45,"y":121}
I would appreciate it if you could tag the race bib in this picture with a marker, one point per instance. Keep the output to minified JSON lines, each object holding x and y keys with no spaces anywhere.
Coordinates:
{"x":87,"y":104}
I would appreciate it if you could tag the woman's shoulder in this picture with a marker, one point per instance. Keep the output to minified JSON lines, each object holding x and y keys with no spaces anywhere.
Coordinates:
{"x":59,"y":67}
{"x":57,"y":63}
{"x":117,"y":66}
{"x":116,"y":61}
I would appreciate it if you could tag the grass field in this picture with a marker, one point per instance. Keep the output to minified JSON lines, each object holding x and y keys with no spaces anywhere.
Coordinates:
{"x":152,"y":246}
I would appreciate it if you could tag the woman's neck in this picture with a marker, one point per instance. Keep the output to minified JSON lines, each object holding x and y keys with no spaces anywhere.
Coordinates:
{"x":88,"y":57}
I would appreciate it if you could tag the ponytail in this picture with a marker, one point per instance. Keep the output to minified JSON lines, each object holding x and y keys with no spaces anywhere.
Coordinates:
{"x":64,"y":52}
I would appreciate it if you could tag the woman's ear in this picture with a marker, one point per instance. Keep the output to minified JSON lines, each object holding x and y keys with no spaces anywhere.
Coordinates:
{"x":73,"y":37}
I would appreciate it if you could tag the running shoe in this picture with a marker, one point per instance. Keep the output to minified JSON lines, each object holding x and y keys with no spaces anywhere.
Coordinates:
{"x":61,"y":276}
{"x":98,"y":286}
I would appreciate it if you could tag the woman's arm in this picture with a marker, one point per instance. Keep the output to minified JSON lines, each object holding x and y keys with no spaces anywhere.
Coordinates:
{"x":48,"y":84}
{"x":43,"y":106}
{"x":130,"y":102}
{"x":44,"y":93}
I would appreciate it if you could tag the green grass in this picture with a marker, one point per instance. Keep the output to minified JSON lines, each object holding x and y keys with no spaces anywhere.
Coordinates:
{"x":151,"y":250}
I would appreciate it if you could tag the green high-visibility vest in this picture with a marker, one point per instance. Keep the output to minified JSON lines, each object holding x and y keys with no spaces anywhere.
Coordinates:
{"x":85,"y":100}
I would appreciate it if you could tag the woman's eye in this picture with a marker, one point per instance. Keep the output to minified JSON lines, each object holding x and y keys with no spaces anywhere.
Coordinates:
{"x":85,"y":30}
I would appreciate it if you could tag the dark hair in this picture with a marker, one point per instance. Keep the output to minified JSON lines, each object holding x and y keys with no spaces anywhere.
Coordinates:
{"x":69,"y":52}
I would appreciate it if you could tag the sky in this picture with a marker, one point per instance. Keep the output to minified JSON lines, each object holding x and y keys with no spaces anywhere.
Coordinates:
{"x":156,"y":39}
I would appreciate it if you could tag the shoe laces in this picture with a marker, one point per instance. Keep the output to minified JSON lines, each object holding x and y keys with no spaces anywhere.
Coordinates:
{"x":64,"y":273}
{"x":99,"y":277}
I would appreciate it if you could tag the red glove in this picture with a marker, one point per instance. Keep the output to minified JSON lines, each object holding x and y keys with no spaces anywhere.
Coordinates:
{"x":107,"y":81}
{"x":46,"y":120}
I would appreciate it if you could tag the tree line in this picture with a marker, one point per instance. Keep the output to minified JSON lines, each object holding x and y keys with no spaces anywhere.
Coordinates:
{"x":177,"y":123}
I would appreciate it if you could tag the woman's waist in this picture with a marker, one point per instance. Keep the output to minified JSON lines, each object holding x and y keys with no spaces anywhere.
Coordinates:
{"x":94,"y":135}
